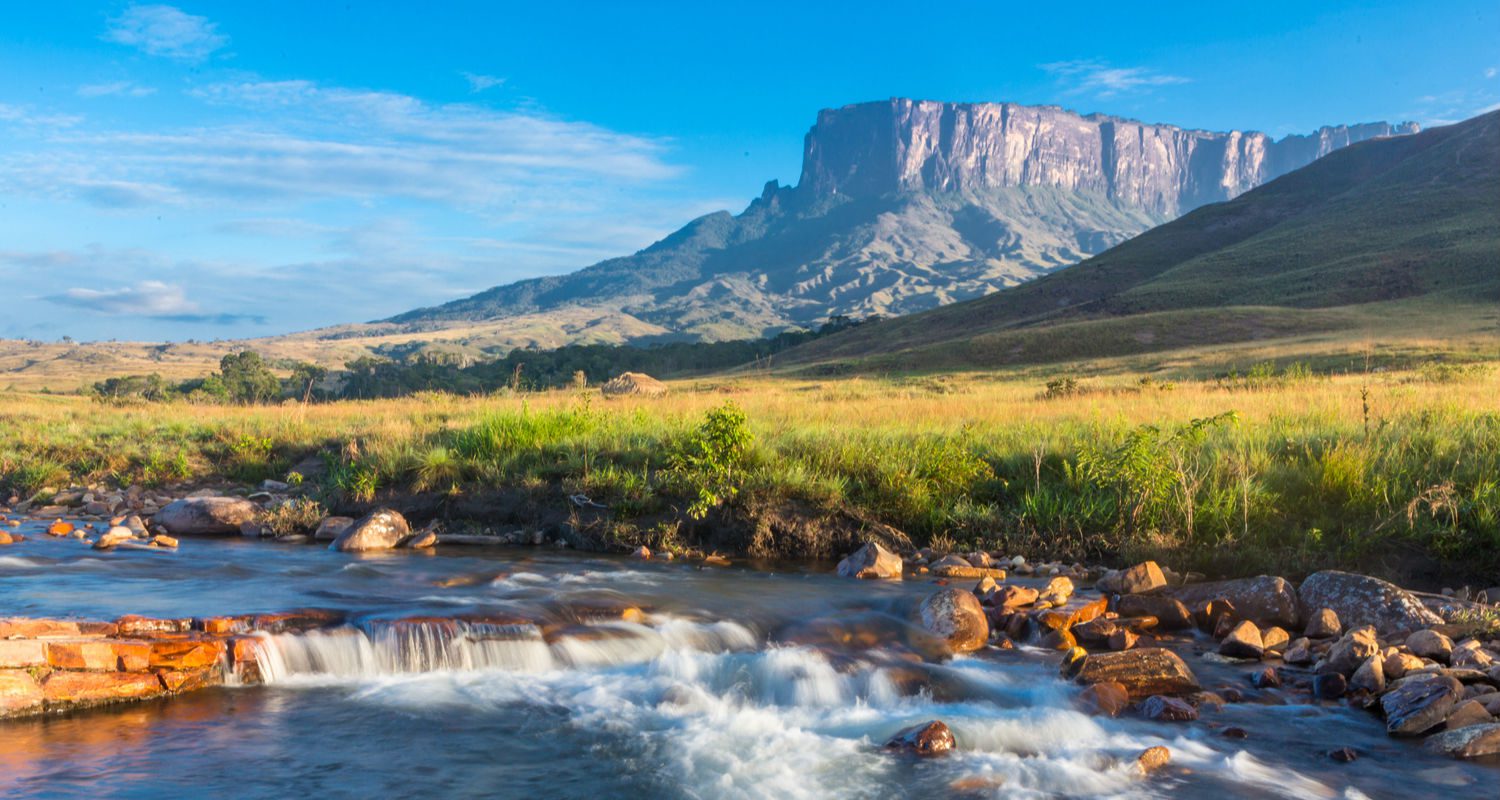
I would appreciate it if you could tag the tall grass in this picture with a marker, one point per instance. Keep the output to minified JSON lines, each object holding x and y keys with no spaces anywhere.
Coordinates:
{"x":1396,"y":472}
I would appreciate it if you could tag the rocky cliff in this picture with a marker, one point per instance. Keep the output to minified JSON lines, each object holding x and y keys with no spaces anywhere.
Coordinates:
{"x":906,"y":205}
{"x":874,"y":149}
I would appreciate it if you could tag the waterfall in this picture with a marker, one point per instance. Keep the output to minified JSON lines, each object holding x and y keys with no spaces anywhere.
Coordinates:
{"x":382,"y":647}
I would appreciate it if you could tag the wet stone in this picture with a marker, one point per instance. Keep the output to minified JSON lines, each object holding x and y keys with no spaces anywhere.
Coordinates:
{"x":925,"y":739}
{"x":1418,"y":703}
{"x":1168,"y":709}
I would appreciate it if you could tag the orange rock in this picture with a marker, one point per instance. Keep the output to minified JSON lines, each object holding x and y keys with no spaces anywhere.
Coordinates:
{"x":1089,"y":612}
{"x":88,"y":688}
{"x":92,"y":654}
{"x":186,"y":654}
{"x":23,"y":628}
{"x":60,"y":528}
{"x":5,"y":538}
{"x":223,"y":625}
{"x":133,"y":656}
{"x":179,"y":680}
{"x":19,"y":692}
{"x":22,"y":653}
{"x":245,"y":648}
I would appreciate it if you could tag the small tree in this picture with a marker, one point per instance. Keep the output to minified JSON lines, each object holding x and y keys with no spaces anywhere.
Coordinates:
{"x":247,"y":379}
{"x":709,"y":460}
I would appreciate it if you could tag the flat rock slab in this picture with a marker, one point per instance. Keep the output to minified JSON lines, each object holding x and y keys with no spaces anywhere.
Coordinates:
{"x":1419,"y":703}
{"x":19,"y":692}
{"x":76,"y":689}
{"x":1471,"y":742}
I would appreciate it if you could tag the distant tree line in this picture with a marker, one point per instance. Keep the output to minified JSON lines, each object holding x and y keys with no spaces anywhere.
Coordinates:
{"x":245,"y":377}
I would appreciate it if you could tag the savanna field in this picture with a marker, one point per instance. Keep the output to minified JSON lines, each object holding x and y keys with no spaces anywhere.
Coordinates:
{"x":1274,"y":469}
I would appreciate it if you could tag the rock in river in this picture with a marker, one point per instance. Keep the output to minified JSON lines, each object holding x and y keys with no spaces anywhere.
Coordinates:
{"x":1264,"y":600}
{"x":871,"y":561}
{"x":956,"y":617}
{"x":1350,"y":651}
{"x":382,"y":529}
{"x":924,"y":739}
{"x":330,"y":528}
{"x":202,"y":515}
{"x":1143,"y":671}
{"x":1419,"y":703}
{"x":1362,"y":600}
{"x":1471,"y":742}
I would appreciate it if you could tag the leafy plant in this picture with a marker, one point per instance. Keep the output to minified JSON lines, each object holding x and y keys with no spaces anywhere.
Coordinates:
{"x":710,"y":459}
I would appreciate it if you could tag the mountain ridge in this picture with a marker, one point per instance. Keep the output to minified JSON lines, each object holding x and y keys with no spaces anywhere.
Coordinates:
{"x":907,"y":205}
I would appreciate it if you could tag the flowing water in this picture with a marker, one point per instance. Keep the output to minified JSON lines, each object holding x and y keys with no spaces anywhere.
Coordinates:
{"x":493,"y":673}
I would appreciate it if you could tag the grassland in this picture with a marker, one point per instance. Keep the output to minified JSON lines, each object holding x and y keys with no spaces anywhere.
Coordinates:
{"x":1269,"y":467}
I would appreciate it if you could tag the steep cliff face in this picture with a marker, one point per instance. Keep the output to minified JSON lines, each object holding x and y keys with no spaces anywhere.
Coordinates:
{"x":907,"y":205}
{"x":874,"y":149}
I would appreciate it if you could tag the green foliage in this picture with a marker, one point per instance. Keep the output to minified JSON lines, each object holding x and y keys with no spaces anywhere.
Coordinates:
{"x":710,"y":460}
{"x":296,"y":516}
{"x":247,"y":379}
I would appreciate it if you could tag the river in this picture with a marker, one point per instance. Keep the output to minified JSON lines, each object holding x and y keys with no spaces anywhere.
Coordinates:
{"x":768,"y":680}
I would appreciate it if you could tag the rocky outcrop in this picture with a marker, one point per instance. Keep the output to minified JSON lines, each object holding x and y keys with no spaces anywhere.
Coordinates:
{"x":1363,"y":600}
{"x":875,"y":149}
{"x":633,"y":383}
{"x":206,"y":515}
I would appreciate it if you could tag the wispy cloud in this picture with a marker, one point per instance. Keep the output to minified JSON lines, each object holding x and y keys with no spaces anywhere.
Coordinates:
{"x":25,"y":117}
{"x":147,"y":298}
{"x":1100,"y":79}
{"x":479,"y":83}
{"x":1492,"y":72}
{"x":115,"y":88}
{"x":165,"y":31}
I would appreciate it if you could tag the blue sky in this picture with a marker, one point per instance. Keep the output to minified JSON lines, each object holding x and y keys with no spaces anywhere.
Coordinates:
{"x":220,"y":170}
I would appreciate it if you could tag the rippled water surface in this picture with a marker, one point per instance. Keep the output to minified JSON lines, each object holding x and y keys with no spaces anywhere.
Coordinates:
{"x":770,"y":682}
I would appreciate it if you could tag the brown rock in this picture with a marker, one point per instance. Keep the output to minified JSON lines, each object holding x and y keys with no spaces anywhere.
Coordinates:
{"x":1370,"y":677}
{"x":1242,"y":642}
{"x":133,"y":625}
{"x":1123,"y":639}
{"x":1430,"y":644}
{"x":89,"y":688}
{"x":1095,"y":632}
{"x":1153,"y":758}
{"x":1469,"y":712}
{"x":114,"y":537}
{"x":1168,"y":709}
{"x":90,"y":654}
{"x":926,"y":739}
{"x":27,"y":628}
{"x":381,"y":529}
{"x":1015,"y":597}
{"x":1299,"y":652}
{"x":1264,"y":600}
{"x":329,"y":528}
{"x":1267,"y":678}
{"x":1057,"y":591}
{"x":1275,"y":638}
{"x":957,"y":618}
{"x":163,"y":540}
{"x":223,"y":625}
{"x":643,"y":552}
{"x":1088,"y":612}
{"x":186,"y":654}
{"x":1330,"y":685}
{"x":1143,"y":578}
{"x":1471,"y":655}
{"x":1107,"y":698}
{"x":421,"y":540}
{"x":174,"y":680}
{"x":966,"y":572}
{"x":1418,"y":703}
{"x":1350,"y":651}
{"x":19,"y":693}
{"x":1472,"y":741}
{"x":1324,"y":624}
{"x":1142,"y":671}
{"x":872,"y":561}
{"x":1398,"y":664}
{"x":1169,"y":611}
{"x":1058,"y":639}
{"x":206,"y":515}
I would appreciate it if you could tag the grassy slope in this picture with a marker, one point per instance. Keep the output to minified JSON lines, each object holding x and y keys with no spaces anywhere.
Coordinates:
{"x":1381,"y":221}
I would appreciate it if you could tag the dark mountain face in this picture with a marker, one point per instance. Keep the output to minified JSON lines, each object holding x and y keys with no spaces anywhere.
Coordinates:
{"x":904,"y":206}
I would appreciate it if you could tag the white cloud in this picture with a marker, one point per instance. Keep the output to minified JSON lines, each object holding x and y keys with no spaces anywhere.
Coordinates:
{"x":147,"y":298}
{"x":118,"y":88}
{"x":25,"y":117}
{"x":479,"y":83}
{"x":165,"y":31}
{"x":1491,"y":72}
{"x":1102,"y":80}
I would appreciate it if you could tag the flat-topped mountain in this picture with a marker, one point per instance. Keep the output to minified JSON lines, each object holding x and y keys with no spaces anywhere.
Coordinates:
{"x":904,"y":206}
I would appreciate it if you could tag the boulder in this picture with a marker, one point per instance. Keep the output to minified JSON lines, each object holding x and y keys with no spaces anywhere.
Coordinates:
{"x":1015,"y":596}
{"x":1142,"y":578}
{"x":636,"y":383}
{"x":1265,"y":600}
{"x":1418,"y":703}
{"x":1057,"y":591}
{"x":421,"y":540}
{"x":1471,"y":655}
{"x":1473,"y":741}
{"x":1243,"y":642}
{"x":1430,"y":644}
{"x":1142,"y":671}
{"x":1168,"y":709}
{"x":924,"y":739}
{"x":956,"y":617}
{"x":1170,"y":612}
{"x":1299,"y":651}
{"x":1370,"y":677}
{"x":1397,"y":665}
{"x":1324,"y":624}
{"x":1362,"y":600}
{"x":1267,"y":678}
{"x":1329,"y":686}
{"x":381,"y":529}
{"x":206,"y":515}
{"x":1275,"y":638}
{"x":1350,"y":651}
{"x":1153,"y":758}
{"x":871,"y":561}
{"x":1107,"y":698}
{"x":330,"y":528}
{"x":1466,"y":713}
